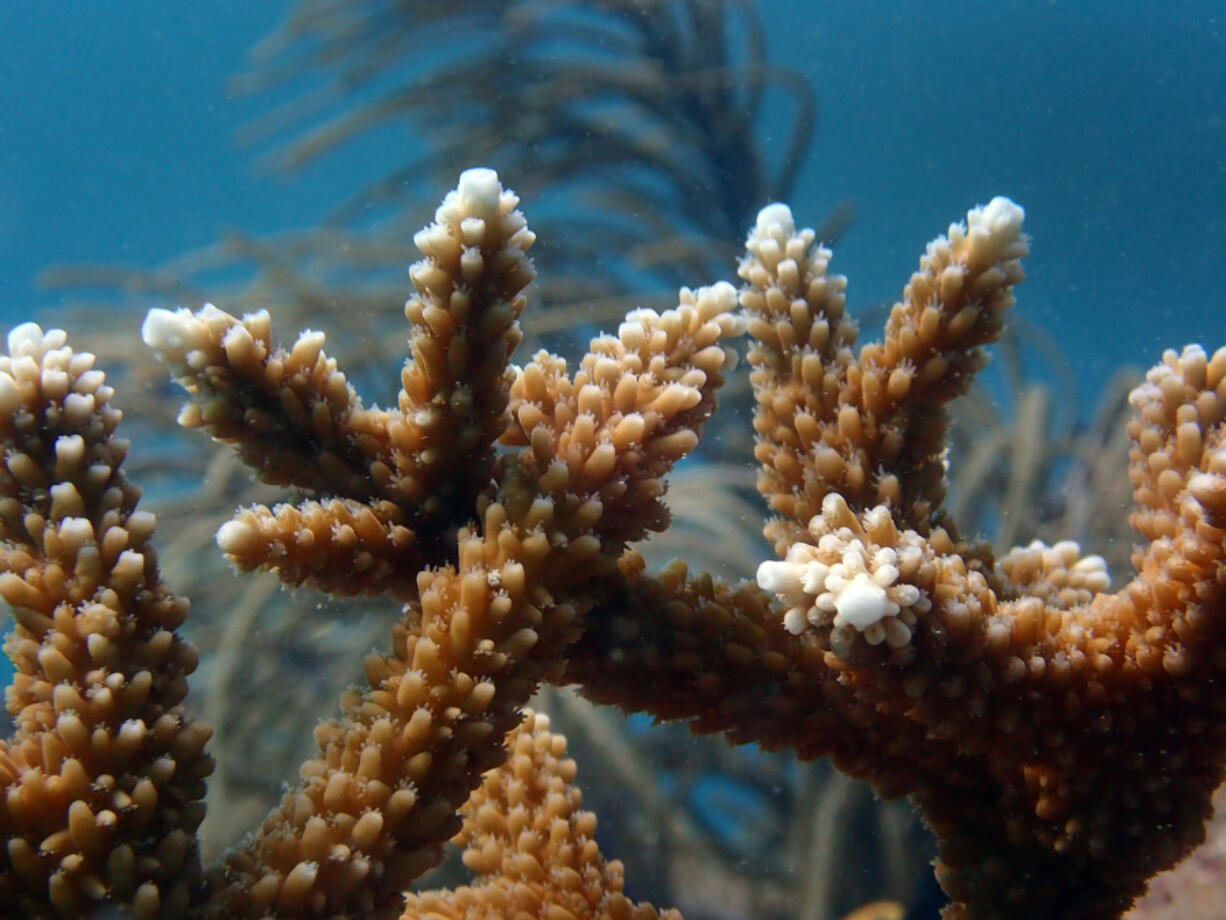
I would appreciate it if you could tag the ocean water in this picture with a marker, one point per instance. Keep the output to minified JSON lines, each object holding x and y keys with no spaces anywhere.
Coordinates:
{"x":119,"y":127}
{"x":1107,"y":121}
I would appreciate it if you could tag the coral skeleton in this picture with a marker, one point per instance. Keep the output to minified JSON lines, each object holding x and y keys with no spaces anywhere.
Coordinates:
{"x":1061,"y":741}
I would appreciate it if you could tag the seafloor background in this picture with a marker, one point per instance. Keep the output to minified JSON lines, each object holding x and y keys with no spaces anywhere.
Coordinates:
{"x":120,"y":151}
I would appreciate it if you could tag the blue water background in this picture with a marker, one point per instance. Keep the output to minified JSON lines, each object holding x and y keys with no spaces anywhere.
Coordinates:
{"x":1106,"y":120}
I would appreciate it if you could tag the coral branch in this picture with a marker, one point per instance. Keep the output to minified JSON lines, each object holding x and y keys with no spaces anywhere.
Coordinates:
{"x":296,"y":420}
{"x":1062,"y":741}
{"x":872,"y":428}
{"x":102,"y":786}
{"x":537,"y":527}
{"x":496,"y":554}
{"x":533,"y":850}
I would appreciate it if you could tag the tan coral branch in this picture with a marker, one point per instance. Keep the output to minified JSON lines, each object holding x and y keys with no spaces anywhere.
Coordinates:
{"x":531,"y":846}
{"x":102,"y":786}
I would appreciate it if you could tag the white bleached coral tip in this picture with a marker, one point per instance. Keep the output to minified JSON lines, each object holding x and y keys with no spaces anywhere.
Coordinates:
{"x":1002,"y":216}
{"x":166,"y":330}
{"x":779,"y":577}
{"x":29,"y":339}
{"x":22,"y":337}
{"x":851,"y":579}
{"x":775,"y":220}
{"x":479,"y":190}
{"x":861,"y":603}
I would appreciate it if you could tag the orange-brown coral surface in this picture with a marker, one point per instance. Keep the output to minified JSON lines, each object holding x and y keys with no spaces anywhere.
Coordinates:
{"x":1061,"y":740}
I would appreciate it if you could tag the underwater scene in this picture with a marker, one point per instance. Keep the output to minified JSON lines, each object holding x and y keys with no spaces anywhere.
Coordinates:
{"x":722,"y":459}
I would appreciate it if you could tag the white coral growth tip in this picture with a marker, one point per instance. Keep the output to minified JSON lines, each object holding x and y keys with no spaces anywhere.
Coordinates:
{"x":1000,"y":215}
{"x":29,"y":339}
{"x":862,"y":602}
{"x":167,"y":330}
{"x":479,"y":191}
{"x":774,"y":221}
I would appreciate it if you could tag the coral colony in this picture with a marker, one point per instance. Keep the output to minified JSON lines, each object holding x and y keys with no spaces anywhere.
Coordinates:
{"x":1061,"y":741}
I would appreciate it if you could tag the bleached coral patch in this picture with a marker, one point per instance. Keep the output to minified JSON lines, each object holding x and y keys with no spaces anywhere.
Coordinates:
{"x":853,"y":579}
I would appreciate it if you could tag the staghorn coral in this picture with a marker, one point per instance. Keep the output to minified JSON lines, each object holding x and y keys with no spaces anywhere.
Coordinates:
{"x":103,"y":782}
{"x":617,"y":119}
{"x":497,"y":591}
{"x":533,"y":850}
{"x":1061,"y":741}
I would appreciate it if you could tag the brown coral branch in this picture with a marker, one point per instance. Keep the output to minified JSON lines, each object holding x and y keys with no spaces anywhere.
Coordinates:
{"x":534,"y":851}
{"x":374,"y":808}
{"x":102,"y":786}
{"x":103,"y":781}
{"x":1062,"y":741}
{"x":871,"y":428}
{"x":296,"y":420}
